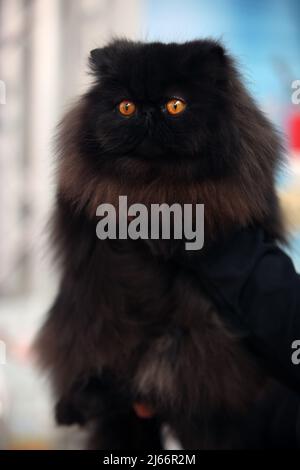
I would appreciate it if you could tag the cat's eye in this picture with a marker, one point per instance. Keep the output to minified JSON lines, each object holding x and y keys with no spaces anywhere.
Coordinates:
{"x":175,"y":106}
{"x":127,"y":108}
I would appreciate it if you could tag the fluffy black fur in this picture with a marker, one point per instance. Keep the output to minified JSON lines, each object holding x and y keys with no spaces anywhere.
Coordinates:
{"x":129,"y":324}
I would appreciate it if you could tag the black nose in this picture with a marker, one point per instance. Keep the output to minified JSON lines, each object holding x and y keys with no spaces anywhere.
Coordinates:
{"x":149,"y":112}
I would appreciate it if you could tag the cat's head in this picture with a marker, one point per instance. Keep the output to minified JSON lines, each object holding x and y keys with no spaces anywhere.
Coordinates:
{"x":169,"y":123}
{"x":159,"y":103}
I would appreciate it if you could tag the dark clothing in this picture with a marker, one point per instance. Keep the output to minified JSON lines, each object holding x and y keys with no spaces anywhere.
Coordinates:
{"x":255,"y":282}
{"x":256,"y":287}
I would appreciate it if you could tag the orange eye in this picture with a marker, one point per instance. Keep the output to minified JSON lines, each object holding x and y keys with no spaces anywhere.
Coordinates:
{"x":127,"y":108}
{"x":175,"y":106}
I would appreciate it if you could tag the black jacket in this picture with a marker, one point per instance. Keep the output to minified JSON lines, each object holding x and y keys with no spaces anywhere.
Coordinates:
{"x":255,"y":282}
{"x":256,"y":286}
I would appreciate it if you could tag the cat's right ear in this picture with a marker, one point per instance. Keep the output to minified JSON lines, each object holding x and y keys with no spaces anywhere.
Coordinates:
{"x":95,"y":54}
{"x":99,"y":61}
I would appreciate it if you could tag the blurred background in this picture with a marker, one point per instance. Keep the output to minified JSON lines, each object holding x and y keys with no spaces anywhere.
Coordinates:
{"x":44,"y":45}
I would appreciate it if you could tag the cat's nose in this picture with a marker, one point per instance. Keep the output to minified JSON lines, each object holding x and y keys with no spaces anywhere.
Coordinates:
{"x":149,"y":119}
{"x":149,"y":112}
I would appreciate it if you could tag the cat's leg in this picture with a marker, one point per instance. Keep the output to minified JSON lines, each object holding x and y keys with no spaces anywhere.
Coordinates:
{"x":88,"y":399}
{"x":99,"y":403}
{"x":125,"y":431}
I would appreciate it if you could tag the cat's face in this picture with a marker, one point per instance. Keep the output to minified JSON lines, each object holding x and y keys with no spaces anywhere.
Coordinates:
{"x":163,"y":104}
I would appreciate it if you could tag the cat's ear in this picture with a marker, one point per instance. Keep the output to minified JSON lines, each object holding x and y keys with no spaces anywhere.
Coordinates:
{"x":95,"y":54}
{"x":99,"y":60}
{"x":209,"y":60}
{"x":217,"y":63}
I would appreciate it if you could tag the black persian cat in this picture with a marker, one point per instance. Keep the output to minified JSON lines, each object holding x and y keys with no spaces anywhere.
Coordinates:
{"x":162,"y":123}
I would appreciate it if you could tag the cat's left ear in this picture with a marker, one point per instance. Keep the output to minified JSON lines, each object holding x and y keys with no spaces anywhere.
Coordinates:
{"x":210,"y":61}
{"x":217,"y":63}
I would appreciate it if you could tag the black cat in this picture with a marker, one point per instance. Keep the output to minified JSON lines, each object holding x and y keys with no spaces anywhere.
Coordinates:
{"x":162,"y":123}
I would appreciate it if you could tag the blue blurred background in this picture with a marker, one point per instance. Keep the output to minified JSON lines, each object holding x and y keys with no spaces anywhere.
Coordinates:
{"x":263,"y":35}
{"x":44,"y":45}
